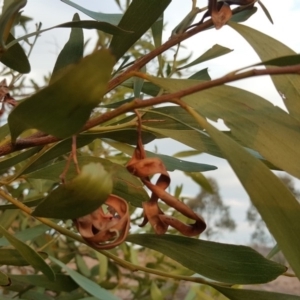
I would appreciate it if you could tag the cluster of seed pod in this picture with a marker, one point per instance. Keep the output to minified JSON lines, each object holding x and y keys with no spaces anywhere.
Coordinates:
{"x":107,"y":230}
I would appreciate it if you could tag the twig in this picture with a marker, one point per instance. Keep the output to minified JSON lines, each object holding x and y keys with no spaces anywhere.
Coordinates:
{"x":138,"y":103}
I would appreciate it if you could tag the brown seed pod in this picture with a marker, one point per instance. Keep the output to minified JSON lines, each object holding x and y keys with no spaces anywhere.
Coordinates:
{"x":143,"y":168}
{"x":106,"y":230}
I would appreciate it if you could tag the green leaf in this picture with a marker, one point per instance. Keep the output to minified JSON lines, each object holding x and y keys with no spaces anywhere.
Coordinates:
{"x":12,"y":257}
{"x":60,"y":109}
{"x":222,"y":262}
{"x":28,"y":234}
{"x":125,"y":185}
{"x":89,"y":286}
{"x":4,"y":131}
{"x":72,"y":52}
{"x":186,"y":21}
{"x":16,"y":158}
{"x":171,"y":163}
{"x":138,"y":84}
{"x":173,"y":122}
{"x":139,"y":17}
{"x":7,"y":19}
{"x":79,"y":197}
{"x":201,"y":180}
{"x":62,"y":282}
{"x":118,"y":103}
{"x":124,"y":135}
{"x":36,"y":295}
{"x":201,"y":75}
{"x":82,"y":266}
{"x":273,"y":251}
{"x":288,"y":86}
{"x":283,"y":61}
{"x":155,"y":292}
{"x":15,"y":57}
{"x":157,"y":31}
{"x":253,"y":121}
{"x":4,"y":279}
{"x":212,"y":53}
{"x":102,"y":26}
{"x":238,"y":294}
{"x":266,"y":192}
{"x":265,"y":11}
{"x":34,"y":201}
{"x":33,"y":258}
{"x":244,"y":15}
{"x":109,"y":18}
{"x":187,"y":153}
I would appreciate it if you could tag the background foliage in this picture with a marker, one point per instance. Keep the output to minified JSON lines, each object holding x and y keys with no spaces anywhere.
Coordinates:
{"x":74,"y":172}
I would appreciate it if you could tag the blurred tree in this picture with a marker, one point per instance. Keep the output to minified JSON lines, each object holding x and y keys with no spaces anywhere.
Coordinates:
{"x":210,"y":205}
{"x":261,"y":234}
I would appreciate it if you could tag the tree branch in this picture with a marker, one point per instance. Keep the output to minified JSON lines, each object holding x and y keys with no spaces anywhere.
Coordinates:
{"x":33,"y":141}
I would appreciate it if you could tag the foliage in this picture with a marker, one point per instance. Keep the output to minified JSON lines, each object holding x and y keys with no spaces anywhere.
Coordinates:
{"x":75,"y":171}
{"x":210,"y":205}
{"x":260,"y":235}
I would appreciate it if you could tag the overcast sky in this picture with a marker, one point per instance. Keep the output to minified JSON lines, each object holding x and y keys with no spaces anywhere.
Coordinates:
{"x":286,"y":16}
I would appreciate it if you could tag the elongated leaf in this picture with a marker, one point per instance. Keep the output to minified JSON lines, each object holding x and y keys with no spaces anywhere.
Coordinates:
{"x":28,"y":234}
{"x":273,"y":251}
{"x":244,"y":15}
{"x":266,"y":192}
{"x":138,"y":18}
{"x":7,"y":20}
{"x":138,"y":84}
{"x":118,"y":103}
{"x":212,"y":53}
{"x":72,"y":52}
{"x":29,"y":254}
{"x":85,"y":283}
{"x":87,"y":24}
{"x":4,"y":280}
{"x":4,"y":131}
{"x":265,"y":11}
{"x":200,"y":179}
{"x":64,"y":147}
{"x":288,"y":86}
{"x":60,"y":109}
{"x":125,"y":185}
{"x":171,"y":163}
{"x":238,"y":294}
{"x":221,"y":262}
{"x":173,"y":122}
{"x":201,"y":75}
{"x":289,"y":60}
{"x":186,"y":21}
{"x":102,"y":26}
{"x":109,"y":18}
{"x":16,"y":158}
{"x":62,"y":282}
{"x":30,"y":203}
{"x":157,"y":31}
{"x":12,"y":257}
{"x":79,"y":197}
{"x":15,"y":57}
{"x":255,"y":122}
{"x":36,"y":295}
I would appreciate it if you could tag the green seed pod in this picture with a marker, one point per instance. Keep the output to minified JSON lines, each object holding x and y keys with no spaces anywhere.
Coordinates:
{"x":78,"y":197}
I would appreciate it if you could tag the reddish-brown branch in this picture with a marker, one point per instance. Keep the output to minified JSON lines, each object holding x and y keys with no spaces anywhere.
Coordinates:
{"x":137,"y":103}
{"x":39,"y":138}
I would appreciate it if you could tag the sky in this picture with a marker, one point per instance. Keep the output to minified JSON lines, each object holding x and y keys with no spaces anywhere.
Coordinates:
{"x":286,"y":17}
